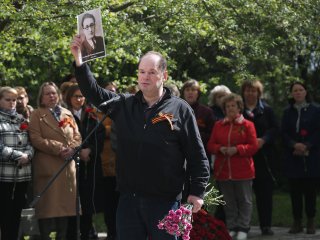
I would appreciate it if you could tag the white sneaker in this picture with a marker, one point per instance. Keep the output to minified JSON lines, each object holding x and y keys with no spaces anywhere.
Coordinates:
{"x":232,"y":233}
{"x":242,"y":236}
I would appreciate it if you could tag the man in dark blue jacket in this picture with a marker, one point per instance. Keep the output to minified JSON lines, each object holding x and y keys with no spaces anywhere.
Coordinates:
{"x":156,"y":133}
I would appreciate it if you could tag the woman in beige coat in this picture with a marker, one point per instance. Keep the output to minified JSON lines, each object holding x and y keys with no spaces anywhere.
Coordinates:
{"x":54,"y":134}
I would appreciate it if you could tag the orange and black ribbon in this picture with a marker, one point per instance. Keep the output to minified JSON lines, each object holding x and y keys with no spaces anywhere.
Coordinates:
{"x":163,"y":117}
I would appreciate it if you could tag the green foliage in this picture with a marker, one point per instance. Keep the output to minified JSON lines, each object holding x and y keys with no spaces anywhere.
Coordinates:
{"x":213,"y":41}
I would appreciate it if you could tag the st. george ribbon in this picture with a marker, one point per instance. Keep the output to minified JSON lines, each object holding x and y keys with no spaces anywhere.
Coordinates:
{"x":105,"y":106}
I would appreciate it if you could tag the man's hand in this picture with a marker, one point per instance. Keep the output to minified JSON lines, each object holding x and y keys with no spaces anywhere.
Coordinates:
{"x":75,"y":48}
{"x":196,"y":202}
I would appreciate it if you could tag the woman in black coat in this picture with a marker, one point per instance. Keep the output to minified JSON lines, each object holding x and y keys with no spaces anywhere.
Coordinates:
{"x":265,"y":123}
{"x":301,"y":136}
{"x":90,"y":170}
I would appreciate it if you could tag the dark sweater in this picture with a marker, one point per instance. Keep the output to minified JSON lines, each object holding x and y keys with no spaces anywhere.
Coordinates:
{"x":151,"y":156}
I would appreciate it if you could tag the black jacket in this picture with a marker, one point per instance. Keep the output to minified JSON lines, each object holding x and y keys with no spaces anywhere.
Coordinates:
{"x":151,"y":156}
{"x":267,"y":128}
{"x":90,"y":173}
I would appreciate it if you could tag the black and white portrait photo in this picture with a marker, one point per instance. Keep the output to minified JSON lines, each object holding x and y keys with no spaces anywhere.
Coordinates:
{"x":90,"y":29}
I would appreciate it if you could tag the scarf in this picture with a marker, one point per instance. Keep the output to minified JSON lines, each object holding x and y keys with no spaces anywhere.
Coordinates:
{"x":56,"y":112}
{"x":299,"y":106}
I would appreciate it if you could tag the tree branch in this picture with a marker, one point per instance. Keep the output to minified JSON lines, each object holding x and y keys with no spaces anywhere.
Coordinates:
{"x":121,"y":7}
{"x":211,"y":14}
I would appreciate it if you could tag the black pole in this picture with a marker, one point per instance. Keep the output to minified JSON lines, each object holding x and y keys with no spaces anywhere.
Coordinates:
{"x":68,"y":160}
{"x":78,"y":195}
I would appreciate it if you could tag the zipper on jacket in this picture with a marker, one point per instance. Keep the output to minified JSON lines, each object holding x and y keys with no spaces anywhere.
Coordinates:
{"x":229,"y":144}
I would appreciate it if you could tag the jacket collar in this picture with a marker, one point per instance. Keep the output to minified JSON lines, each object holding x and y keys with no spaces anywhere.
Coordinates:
{"x":13,"y":118}
{"x":258,"y":110}
{"x":238,"y":120}
{"x":167,"y":94}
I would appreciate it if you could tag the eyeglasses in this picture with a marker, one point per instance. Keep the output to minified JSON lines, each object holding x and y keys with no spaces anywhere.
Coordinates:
{"x":92,"y":25}
{"x":78,"y":96}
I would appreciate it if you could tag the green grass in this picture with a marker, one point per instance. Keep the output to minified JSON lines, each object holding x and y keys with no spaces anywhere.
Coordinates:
{"x":281,"y":215}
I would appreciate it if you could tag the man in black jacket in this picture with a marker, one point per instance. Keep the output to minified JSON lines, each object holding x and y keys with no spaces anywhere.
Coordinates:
{"x":156,"y":134}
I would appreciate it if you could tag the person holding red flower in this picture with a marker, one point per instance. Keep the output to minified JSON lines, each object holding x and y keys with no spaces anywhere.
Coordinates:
{"x":301,"y":138}
{"x":91,"y":187}
{"x":233,"y":141}
{"x":16,"y":153}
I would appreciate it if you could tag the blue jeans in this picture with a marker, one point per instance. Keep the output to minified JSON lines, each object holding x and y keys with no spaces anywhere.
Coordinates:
{"x":138,"y":217}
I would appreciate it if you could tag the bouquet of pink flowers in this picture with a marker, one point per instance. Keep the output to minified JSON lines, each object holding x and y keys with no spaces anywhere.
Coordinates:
{"x":178,"y":222}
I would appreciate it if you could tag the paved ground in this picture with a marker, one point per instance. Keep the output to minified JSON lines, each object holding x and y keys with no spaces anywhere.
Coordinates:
{"x":280,"y":234}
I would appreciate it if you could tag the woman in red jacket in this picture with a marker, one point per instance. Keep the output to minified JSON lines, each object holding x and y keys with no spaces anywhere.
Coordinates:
{"x":233,"y":141}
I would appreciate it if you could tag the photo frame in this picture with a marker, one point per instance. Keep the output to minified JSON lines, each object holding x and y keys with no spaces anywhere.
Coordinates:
{"x":90,"y":29}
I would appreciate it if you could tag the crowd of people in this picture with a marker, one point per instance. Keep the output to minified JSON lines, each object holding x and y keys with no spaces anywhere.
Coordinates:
{"x":157,"y":147}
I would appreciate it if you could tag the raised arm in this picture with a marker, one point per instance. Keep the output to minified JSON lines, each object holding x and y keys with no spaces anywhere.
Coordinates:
{"x":87,"y":83}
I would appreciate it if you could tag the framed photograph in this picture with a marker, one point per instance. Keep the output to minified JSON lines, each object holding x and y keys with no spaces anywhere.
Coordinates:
{"x":90,"y":29}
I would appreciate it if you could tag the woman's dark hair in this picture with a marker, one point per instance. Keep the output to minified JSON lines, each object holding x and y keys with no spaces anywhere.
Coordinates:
{"x":191,"y":83}
{"x":71,"y":90}
{"x":87,"y":15}
{"x":291,"y":99}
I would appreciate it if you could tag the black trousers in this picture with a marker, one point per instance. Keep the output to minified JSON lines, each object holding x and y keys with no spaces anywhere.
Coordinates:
{"x":303,"y":189}
{"x":219,"y":213}
{"x":85,"y":227}
{"x":12,"y":201}
{"x":111,"y":204}
{"x":263,"y":189}
{"x":57,"y":224}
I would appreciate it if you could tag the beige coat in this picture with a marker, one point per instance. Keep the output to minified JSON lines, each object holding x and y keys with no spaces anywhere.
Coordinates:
{"x":48,"y":138}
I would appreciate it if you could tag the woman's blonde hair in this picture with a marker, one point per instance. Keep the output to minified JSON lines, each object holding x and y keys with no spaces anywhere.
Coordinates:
{"x":213,"y":93}
{"x":7,"y":89}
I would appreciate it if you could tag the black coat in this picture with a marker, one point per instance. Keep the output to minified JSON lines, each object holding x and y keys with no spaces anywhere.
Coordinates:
{"x":90,"y":173}
{"x":299,"y":166}
{"x":151,"y":155}
{"x":267,"y":128}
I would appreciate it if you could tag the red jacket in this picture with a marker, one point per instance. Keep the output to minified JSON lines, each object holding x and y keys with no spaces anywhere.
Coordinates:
{"x":240,"y":133}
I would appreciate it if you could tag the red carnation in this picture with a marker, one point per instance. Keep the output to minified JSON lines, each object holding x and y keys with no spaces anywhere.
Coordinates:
{"x":89,"y":110}
{"x":62,"y":122}
{"x":24,"y":126}
{"x":206,"y":226}
{"x":303,"y":133}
